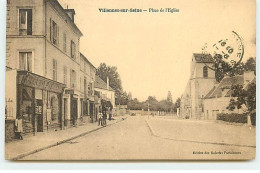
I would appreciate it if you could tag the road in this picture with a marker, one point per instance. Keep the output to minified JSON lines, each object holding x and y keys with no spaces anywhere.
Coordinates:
{"x":132,"y":139}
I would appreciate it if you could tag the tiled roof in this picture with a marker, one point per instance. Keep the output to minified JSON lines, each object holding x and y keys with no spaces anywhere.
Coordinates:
{"x":210,"y":92}
{"x":225,"y":83}
{"x":203,"y":58}
{"x":99,"y":83}
{"x":67,"y":16}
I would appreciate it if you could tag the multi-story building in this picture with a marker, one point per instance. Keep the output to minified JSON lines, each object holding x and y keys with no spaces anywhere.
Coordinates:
{"x":201,"y":81}
{"x":45,"y":85}
{"x":87,"y":83}
{"x":105,"y":92}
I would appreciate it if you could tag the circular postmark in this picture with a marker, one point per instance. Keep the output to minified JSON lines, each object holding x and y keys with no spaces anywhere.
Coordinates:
{"x":225,"y":54}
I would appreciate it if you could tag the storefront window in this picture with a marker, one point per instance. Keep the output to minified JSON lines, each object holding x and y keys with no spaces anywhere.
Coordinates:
{"x":54,"y":106}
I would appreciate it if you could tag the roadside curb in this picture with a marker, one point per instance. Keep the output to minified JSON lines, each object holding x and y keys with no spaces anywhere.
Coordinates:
{"x":62,"y":141}
{"x":151,"y":129}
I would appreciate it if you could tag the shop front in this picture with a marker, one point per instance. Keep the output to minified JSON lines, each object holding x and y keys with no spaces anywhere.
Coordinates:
{"x":39,"y":103}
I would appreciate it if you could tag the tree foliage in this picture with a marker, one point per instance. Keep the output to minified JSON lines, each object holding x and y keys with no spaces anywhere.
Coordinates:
{"x":104,"y":71}
{"x":242,"y":96}
{"x":223,"y":68}
{"x":154,"y":105}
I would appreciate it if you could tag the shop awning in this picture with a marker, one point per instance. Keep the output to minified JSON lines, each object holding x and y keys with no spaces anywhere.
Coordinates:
{"x":106,"y":103}
{"x":36,"y":81}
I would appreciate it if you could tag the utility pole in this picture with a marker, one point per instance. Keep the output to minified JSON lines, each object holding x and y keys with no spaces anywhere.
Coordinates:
{"x":148,"y":110}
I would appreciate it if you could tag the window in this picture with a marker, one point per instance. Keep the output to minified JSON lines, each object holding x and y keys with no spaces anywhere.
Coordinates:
{"x":65,"y":75}
{"x":85,"y":64}
{"x":85,"y":86}
{"x":25,"y":61}
{"x":90,"y":92}
{"x":25,"y":21}
{"x":205,"y":71}
{"x":54,"y":33}
{"x":73,"y":79}
{"x":54,"y":69}
{"x":64,"y":42}
{"x":81,"y":64}
{"x":80,"y":82}
{"x":73,"y":49}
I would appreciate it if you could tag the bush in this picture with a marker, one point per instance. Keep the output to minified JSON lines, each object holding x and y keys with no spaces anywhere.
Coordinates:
{"x":253,"y":119}
{"x":236,"y":118}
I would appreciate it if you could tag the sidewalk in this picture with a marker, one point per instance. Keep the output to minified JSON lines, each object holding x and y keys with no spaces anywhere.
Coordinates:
{"x":17,"y":149}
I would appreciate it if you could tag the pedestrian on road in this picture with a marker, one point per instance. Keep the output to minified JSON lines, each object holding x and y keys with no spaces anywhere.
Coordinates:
{"x":104,"y":117}
{"x":110,"y":114}
{"x":100,"y":115}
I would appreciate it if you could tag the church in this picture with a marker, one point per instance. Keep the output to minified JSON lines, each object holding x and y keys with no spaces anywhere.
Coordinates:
{"x":201,"y":81}
{"x":204,"y":97}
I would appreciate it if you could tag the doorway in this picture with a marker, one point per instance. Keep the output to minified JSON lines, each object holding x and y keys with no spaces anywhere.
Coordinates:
{"x":74,"y":111}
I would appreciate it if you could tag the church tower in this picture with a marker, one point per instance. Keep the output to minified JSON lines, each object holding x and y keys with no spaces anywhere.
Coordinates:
{"x":202,"y":80}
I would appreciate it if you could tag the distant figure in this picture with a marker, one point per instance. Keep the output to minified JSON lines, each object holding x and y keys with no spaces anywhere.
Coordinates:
{"x":110,"y":114}
{"x":104,"y":118}
{"x":100,"y":116}
{"x":19,"y":128}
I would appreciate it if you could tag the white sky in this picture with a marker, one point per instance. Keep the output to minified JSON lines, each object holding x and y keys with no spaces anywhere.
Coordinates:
{"x":153,"y":50}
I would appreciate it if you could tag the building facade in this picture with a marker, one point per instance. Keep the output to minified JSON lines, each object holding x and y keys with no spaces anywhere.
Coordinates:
{"x":87,"y":83}
{"x":218,"y":99}
{"x":104,"y":91}
{"x":201,"y":81}
{"x":50,"y":89}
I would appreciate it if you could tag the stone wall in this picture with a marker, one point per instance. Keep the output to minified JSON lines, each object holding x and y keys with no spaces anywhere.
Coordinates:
{"x":9,"y":130}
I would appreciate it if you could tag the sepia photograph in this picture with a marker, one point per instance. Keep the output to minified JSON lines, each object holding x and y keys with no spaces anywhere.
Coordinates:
{"x":130,"y":80}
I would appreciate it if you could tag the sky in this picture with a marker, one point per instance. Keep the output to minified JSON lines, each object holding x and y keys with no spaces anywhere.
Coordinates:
{"x":153,"y":51}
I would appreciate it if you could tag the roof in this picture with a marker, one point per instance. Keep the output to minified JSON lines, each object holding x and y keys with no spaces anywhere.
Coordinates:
{"x":210,"y":92}
{"x":203,"y":58}
{"x":70,"y":10}
{"x":84,"y":57}
{"x":67,"y":16}
{"x":99,"y":83}
{"x":225,"y":83}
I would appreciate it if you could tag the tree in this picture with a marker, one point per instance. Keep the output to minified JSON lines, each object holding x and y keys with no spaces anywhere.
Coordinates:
{"x":177,"y":104}
{"x":134,"y":104}
{"x":246,"y":97}
{"x":153,"y":103}
{"x":104,"y":71}
{"x":122,"y":99}
{"x":223,"y":68}
{"x":250,"y":65}
{"x":130,"y":96}
{"x":169,"y":97}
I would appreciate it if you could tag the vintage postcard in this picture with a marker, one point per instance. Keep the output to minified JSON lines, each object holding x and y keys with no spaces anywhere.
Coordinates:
{"x":130,"y":80}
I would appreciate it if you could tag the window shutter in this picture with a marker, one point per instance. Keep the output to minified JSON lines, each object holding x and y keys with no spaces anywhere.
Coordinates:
{"x":51,"y":31}
{"x":58,"y":37}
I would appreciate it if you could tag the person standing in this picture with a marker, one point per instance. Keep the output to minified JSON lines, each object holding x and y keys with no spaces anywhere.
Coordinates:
{"x":104,"y":117}
{"x":110,"y":114}
{"x":19,"y":128}
{"x":100,"y":119}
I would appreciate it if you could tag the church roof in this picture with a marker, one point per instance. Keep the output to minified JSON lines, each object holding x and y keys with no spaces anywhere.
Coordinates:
{"x":99,"y":83}
{"x":203,"y":58}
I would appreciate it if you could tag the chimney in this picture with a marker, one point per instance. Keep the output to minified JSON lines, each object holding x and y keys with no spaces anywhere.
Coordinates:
{"x":107,"y":83}
{"x":71,"y":13}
